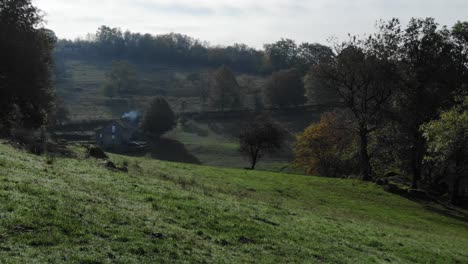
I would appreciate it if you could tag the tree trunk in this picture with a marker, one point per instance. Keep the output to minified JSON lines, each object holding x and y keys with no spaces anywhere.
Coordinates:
{"x":416,"y":159}
{"x":253,"y":163}
{"x":457,"y":178}
{"x":254,"y":159}
{"x":455,"y":188}
{"x":366,"y":171}
{"x":416,"y":170}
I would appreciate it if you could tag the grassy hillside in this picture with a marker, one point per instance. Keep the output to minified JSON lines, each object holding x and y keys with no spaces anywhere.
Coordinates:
{"x":77,"y":211}
{"x":81,"y":89}
{"x":219,"y":149}
{"x":81,"y":82}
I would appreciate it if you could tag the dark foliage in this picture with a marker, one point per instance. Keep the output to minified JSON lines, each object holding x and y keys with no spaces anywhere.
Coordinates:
{"x":286,"y":54}
{"x":397,"y":82}
{"x":177,"y":49}
{"x":60,"y":114}
{"x":159,"y":118}
{"x":173,"y":49}
{"x":364,"y":83}
{"x":432,"y":65}
{"x":259,"y":137}
{"x":447,"y":141}
{"x":96,"y":152}
{"x":26,"y":96}
{"x":285,"y":88}
{"x":317,"y":92}
{"x":224,"y":93}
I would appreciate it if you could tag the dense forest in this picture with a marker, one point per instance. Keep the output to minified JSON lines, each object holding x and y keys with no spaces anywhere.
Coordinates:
{"x":177,"y":49}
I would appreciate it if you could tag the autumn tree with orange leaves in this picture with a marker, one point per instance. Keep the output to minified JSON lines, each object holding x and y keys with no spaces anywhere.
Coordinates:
{"x":326,"y":148}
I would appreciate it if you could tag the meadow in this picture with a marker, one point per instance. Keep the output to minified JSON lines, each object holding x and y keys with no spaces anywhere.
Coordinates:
{"x":74,"y":210}
{"x":81,"y":88}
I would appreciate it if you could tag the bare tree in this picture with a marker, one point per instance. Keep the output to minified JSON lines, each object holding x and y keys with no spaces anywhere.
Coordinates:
{"x":259,"y":137}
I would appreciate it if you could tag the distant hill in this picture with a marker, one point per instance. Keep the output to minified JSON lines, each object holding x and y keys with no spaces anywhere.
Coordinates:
{"x":77,"y":211}
{"x":80,"y":86}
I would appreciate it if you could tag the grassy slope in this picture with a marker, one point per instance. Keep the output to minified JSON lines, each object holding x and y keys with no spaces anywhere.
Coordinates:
{"x":81,"y":89}
{"x":77,"y":211}
{"x":223,"y":151}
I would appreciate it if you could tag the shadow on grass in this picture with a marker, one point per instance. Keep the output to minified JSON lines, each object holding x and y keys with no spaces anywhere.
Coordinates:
{"x":430,"y":202}
{"x":434,"y":204}
{"x":171,"y":150}
{"x":161,"y":149}
{"x":448,"y":211}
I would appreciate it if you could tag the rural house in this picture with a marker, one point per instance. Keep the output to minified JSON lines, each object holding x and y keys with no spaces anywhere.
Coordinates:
{"x":116,"y":135}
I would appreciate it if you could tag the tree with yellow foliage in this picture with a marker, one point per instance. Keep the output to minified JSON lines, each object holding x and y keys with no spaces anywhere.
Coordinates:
{"x":325,"y":148}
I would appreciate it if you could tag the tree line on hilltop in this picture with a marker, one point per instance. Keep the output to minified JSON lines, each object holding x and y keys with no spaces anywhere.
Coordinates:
{"x":178,"y":49}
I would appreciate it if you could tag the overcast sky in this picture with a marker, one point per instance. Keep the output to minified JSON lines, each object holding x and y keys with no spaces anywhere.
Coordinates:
{"x":253,"y":22}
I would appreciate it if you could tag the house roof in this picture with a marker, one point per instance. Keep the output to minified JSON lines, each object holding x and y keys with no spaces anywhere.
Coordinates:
{"x":125,"y":124}
{"x":122,"y":123}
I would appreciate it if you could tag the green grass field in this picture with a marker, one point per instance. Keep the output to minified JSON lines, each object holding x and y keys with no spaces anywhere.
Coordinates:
{"x":81,"y":89}
{"x":77,"y":211}
{"x":221,"y":150}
